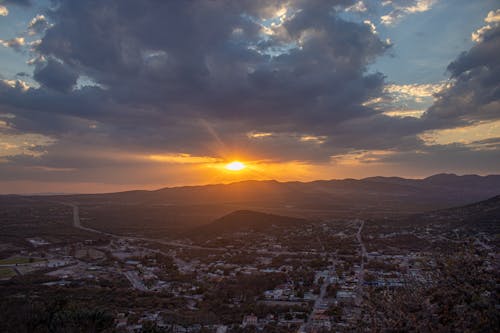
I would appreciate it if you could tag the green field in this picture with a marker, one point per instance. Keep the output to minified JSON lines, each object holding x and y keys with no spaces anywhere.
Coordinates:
{"x":6,"y":273}
{"x":18,"y":260}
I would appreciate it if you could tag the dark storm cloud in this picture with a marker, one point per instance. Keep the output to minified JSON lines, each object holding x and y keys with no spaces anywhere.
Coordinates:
{"x":457,"y":157}
{"x":46,"y":110}
{"x":208,"y":60}
{"x":475,"y":94}
{"x":378,"y":132}
{"x":55,"y":75}
{"x":186,"y":54}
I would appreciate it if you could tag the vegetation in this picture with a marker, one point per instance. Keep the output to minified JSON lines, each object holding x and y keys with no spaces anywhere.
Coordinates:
{"x":53,"y":315}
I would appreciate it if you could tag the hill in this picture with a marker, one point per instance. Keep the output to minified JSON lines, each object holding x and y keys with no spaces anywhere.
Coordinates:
{"x":248,"y":221}
{"x":483,"y":215}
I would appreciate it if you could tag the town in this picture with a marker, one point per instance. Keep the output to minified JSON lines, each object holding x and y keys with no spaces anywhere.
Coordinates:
{"x":315,"y":276}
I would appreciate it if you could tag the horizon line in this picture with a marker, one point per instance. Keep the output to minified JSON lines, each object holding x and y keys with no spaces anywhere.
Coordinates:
{"x":237,"y":182}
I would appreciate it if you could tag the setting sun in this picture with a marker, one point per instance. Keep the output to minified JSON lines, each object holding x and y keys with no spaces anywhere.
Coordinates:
{"x":235,"y":166}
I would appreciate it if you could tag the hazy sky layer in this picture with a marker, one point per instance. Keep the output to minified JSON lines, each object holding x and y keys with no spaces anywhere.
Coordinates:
{"x":105,"y":95}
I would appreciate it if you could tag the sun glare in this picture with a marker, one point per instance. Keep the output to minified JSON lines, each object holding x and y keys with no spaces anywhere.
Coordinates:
{"x":235,"y":166}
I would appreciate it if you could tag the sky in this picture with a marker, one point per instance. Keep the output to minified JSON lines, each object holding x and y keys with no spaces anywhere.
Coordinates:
{"x":111,"y":95}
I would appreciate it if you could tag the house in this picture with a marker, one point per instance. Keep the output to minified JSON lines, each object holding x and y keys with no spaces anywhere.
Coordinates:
{"x":221,"y":329}
{"x":346,"y":297}
{"x":320,"y":319}
{"x":250,"y":320}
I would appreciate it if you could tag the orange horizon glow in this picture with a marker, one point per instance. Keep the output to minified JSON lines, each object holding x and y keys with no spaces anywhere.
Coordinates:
{"x":173,"y":169}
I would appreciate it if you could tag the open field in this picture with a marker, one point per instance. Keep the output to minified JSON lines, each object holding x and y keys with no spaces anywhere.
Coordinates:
{"x":18,"y":260}
{"x":6,"y":273}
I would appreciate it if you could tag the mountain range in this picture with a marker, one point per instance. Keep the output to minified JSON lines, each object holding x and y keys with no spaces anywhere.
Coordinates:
{"x":173,"y":211}
{"x":368,"y":196}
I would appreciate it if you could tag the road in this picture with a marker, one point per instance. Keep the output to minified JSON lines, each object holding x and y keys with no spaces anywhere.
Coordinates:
{"x":320,"y":300}
{"x":483,"y":244}
{"x":361,"y":273}
{"x":77,"y":223}
{"x":135,"y":280}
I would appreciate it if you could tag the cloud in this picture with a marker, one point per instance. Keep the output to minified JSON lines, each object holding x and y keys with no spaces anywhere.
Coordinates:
{"x":475,"y":92}
{"x":55,"y":75}
{"x":3,"y":11}
{"x":359,"y":157}
{"x":121,"y":84}
{"x":372,"y":26}
{"x":26,"y":144}
{"x":493,"y":16}
{"x":403,"y":8}
{"x":182,"y":159}
{"x":38,"y":25}
{"x":16,"y":43}
{"x":407,"y":100}
{"x":441,"y":158}
{"x":19,"y":85}
{"x":417,"y":90}
{"x":209,"y":70}
{"x":472,"y":134}
{"x":493,"y":20}
{"x":413,"y":95}
{"x":357,"y":7}
{"x":405,"y":113}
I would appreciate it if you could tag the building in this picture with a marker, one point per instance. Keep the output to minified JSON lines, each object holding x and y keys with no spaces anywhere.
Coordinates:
{"x":250,"y":320}
{"x":221,"y":329}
